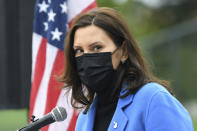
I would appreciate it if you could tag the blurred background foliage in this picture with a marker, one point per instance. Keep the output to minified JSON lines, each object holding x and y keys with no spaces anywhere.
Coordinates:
{"x":166,"y":30}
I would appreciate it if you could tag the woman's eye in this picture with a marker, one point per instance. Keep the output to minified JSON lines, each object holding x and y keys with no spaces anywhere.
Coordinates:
{"x":97,"y":48}
{"x":78,"y":51}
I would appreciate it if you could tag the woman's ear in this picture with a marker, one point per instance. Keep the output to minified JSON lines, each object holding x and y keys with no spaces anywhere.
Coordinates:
{"x":124,"y":52}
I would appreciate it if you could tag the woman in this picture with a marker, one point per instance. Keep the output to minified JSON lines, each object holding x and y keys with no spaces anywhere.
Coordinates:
{"x":110,"y":80}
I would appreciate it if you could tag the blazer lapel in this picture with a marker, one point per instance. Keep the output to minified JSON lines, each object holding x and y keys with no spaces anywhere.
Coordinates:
{"x":120,"y":120}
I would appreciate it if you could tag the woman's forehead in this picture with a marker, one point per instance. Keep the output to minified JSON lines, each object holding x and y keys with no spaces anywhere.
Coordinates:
{"x":90,"y":34}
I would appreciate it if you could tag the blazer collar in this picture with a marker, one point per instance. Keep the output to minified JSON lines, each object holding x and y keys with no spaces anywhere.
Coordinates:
{"x":123,"y":102}
{"x":119,"y":120}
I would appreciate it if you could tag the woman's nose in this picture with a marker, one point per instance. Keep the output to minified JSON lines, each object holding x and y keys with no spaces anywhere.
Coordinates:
{"x":87,"y":51}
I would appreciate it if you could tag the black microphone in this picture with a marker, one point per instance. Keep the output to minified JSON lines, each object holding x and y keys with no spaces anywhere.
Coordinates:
{"x":57,"y":114}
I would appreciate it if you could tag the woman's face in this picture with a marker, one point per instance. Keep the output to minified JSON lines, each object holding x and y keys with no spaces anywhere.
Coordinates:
{"x":92,"y":39}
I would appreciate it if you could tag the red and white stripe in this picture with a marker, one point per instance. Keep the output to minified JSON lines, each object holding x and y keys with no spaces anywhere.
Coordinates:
{"x":47,"y":63}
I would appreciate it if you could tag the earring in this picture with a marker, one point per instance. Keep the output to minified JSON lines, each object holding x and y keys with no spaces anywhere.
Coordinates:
{"x":123,"y":61}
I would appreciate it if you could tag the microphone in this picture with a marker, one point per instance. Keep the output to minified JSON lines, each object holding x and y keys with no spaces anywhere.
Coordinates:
{"x":57,"y":114}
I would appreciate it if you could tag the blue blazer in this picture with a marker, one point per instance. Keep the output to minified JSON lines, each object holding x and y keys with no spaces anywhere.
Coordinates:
{"x":152,"y":108}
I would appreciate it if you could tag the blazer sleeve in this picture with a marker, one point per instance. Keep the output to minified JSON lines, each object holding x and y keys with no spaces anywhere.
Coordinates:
{"x":165,"y":113}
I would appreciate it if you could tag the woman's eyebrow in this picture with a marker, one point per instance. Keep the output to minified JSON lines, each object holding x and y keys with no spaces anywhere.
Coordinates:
{"x":94,"y":43}
{"x":76,"y":46}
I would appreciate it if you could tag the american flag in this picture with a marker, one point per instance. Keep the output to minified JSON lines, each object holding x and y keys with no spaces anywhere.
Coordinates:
{"x":51,"y":22}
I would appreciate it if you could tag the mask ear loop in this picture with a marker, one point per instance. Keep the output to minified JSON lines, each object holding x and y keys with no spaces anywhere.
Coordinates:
{"x":115,"y":50}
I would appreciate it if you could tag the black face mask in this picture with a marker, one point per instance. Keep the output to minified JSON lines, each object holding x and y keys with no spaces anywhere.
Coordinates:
{"x":96,"y":70}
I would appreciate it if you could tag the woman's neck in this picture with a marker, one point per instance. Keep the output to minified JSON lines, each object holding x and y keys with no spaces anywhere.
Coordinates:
{"x":108,"y":96}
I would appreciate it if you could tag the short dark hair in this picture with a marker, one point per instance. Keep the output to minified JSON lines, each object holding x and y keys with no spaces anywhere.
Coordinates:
{"x":133,"y":72}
